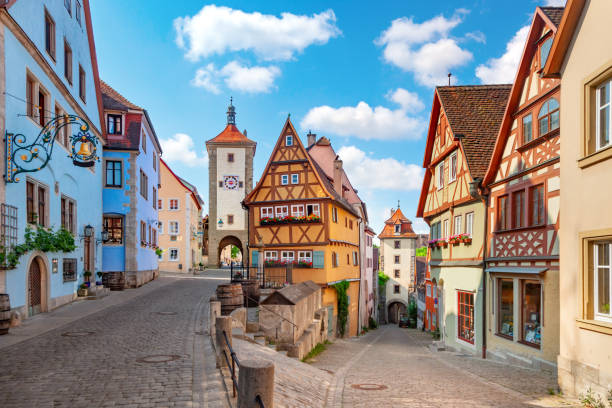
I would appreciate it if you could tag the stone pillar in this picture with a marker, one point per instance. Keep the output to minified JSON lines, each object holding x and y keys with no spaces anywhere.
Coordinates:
{"x":215,"y":311}
{"x":255,"y":378}
{"x":222,"y":323}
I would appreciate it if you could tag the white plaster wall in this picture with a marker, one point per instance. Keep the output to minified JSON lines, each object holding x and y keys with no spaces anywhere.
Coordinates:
{"x":406,"y":252}
{"x":228,"y":201}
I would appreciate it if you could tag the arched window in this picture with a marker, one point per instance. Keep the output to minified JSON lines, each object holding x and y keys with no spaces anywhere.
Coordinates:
{"x":548,"y":118}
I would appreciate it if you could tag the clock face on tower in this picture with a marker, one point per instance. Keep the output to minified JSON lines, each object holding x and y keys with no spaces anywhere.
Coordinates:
{"x":230,"y":182}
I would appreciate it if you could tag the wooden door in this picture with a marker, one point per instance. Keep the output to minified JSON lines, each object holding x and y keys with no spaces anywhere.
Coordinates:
{"x":34,"y":288}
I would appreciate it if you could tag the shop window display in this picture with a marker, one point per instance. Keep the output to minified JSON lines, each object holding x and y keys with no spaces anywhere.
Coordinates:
{"x":506,"y":308}
{"x":532,"y":297}
{"x":466,"y":316}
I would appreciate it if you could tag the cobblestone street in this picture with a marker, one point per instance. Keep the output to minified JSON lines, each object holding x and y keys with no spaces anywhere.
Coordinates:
{"x":147,"y":351}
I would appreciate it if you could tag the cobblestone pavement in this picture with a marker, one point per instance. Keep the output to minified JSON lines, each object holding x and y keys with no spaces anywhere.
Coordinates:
{"x":412,"y":376}
{"x":146,"y":352}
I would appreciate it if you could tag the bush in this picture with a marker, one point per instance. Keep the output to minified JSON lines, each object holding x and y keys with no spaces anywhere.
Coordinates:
{"x":372,"y":324}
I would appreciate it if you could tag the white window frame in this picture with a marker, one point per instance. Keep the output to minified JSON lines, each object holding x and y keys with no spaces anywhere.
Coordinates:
{"x":315,"y":209}
{"x":469,"y":223}
{"x":295,"y":178}
{"x":452,"y":176}
{"x":297,"y":210}
{"x":284,"y":179}
{"x":281,"y":210}
{"x":171,"y":230}
{"x":271,"y":255}
{"x":170,"y":204}
{"x":285,"y":256}
{"x":267,"y":212}
{"x":305,"y":256}
{"x":160,"y":227}
{"x":608,"y":105}
{"x":289,"y":140}
{"x":596,"y":267}
{"x":445,"y":228}
{"x":397,"y":228}
{"x":170,"y":254}
{"x":457,"y":225}
{"x":440,"y":175}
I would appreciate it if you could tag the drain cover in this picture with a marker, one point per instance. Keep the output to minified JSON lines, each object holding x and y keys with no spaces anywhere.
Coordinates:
{"x":158,"y":358}
{"x":369,"y":387}
{"x":166,"y":313}
{"x":78,"y":334}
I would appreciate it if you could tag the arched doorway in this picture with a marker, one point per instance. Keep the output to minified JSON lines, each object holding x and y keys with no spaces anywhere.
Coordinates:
{"x":37,"y":286}
{"x":395,"y":309}
{"x":230,"y":250}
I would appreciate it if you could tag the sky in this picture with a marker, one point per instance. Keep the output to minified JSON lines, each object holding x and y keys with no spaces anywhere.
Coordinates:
{"x":361,"y":73}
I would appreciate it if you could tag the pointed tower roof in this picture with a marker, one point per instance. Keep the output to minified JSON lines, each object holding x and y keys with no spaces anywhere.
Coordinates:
{"x":231,"y":134}
{"x":397,"y":218}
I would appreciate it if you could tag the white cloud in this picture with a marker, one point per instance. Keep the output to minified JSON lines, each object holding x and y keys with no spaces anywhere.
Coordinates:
{"x":554,"y":3}
{"x":237,"y":77}
{"x":503,"y":69}
{"x":180,"y":148}
{"x":366,"y":172}
{"x":425,"y":49}
{"x":477,"y":36}
{"x":365,"y":122}
{"x":216,"y":30}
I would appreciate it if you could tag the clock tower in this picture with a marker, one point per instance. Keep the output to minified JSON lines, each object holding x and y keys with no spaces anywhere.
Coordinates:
{"x":230,"y":179}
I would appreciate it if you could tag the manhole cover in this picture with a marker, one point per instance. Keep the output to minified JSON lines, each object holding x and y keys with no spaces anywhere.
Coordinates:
{"x":369,"y":387}
{"x":158,"y":358}
{"x":166,"y":313}
{"x":78,"y":334}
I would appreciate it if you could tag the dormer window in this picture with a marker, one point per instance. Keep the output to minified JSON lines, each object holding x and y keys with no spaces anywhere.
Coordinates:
{"x":398,"y":228}
{"x":114,"y":124}
{"x":289,"y":140}
{"x":545,"y":50}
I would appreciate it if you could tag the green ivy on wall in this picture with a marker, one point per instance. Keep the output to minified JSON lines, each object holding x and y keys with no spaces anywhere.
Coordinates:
{"x":341,"y":290}
{"x":41,"y":239}
{"x":382,"y":279}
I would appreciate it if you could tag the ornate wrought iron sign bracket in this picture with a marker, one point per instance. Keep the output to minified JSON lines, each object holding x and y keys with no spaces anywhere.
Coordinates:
{"x":25,"y":156}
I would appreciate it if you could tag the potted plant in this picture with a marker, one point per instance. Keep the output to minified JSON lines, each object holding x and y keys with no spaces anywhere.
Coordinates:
{"x":432,"y":243}
{"x":455,"y":239}
{"x":466,"y":238}
{"x":442,"y":243}
{"x":159,"y":251}
{"x":82,"y":291}
{"x":87,"y":274}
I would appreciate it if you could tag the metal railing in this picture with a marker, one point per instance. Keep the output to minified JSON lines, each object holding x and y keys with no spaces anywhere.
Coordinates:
{"x":232,"y":367}
{"x":267,"y":277}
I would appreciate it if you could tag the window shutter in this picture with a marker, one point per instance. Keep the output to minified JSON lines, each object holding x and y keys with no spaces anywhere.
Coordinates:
{"x":318,"y":259}
{"x":254,"y":258}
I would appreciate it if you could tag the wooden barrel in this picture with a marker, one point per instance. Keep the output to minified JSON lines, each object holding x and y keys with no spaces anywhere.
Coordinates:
{"x":230,"y":296}
{"x":116,"y":280}
{"x":5,"y":313}
{"x":250,"y":289}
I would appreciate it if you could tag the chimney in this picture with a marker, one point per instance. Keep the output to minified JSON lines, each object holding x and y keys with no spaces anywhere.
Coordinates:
{"x":312,"y":138}
{"x":338,"y":175}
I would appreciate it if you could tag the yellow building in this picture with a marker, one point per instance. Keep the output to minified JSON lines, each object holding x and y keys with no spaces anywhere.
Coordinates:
{"x":581,"y":56}
{"x":180,"y":223}
{"x":300,"y":216}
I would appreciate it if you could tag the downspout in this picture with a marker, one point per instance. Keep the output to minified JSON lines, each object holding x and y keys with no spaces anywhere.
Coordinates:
{"x":479,"y":190}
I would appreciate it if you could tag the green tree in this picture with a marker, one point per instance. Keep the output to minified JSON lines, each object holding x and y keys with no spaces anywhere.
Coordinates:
{"x":421,"y":251}
{"x":235,"y":251}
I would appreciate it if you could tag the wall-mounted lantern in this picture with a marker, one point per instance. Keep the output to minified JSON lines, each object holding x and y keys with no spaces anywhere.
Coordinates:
{"x":54,"y":265}
{"x":88,"y":231}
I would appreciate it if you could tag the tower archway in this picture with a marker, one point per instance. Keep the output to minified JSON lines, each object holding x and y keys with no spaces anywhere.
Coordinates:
{"x":225,"y":252}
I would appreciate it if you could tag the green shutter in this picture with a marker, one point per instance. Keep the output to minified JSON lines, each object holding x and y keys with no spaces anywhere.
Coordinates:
{"x":254,"y":258}
{"x":318,"y":259}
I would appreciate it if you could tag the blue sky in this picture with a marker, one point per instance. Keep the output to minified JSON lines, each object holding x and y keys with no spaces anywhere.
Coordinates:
{"x":361,"y":73}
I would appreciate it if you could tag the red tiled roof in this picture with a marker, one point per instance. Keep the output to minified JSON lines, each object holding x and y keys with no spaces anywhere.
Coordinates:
{"x":398,"y":218}
{"x":230,"y":134}
{"x":476,"y":112}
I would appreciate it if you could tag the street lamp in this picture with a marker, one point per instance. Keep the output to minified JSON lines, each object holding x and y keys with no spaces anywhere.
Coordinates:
{"x":88,"y":231}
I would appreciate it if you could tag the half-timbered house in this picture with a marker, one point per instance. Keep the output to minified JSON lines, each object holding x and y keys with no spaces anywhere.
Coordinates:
{"x":523,"y":212}
{"x":462,"y":130}
{"x":298,"y":216}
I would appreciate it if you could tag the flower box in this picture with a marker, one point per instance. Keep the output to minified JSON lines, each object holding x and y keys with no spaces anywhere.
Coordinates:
{"x":442,"y":243}
{"x":466,"y":238}
{"x":290,"y":219}
{"x":281,"y":264}
{"x":455,"y":239}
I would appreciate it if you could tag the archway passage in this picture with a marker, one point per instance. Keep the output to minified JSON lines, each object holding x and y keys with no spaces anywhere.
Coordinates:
{"x":396,"y":309}
{"x":230,"y":250}
{"x":34,"y":288}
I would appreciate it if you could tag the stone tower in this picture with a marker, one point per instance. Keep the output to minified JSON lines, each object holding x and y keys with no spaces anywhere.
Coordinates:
{"x":230,"y":179}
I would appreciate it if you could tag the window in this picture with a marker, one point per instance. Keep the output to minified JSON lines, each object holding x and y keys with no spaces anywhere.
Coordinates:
{"x":288,"y":140}
{"x":603,"y":116}
{"x":114,"y":227}
{"x":30,"y":97}
{"x":69,"y":266}
{"x":284,"y":179}
{"x":113,"y":124}
{"x":174,"y":204}
{"x":30,"y":202}
{"x":396,"y":288}
{"x":313,"y":209}
{"x":428,"y":291}
{"x":113,"y":173}
{"x":396,"y":244}
{"x":240,"y":184}
{"x":335,"y":214}
{"x":68,"y":214}
{"x":282,"y":211}
{"x":67,"y":62}
{"x":49,"y":35}
{"x":602,"y":280}
{"x":350,"y":224}
{"x":287,"y":256}
{"x":469,"y":223}
{"x":457,"y":224}
{"x":144,"y":185}
{"x":230,"y":157}
{"x":445,"y":228}
{"x":271,"y":255}
{"x":453,"y":168}
{"x":174,"y":254}
{"x":42,"y":105}
{"x":173,"y":228}
{"x":531,"y":312}
{"x":160,"y":204}
{"x":154,"y":200}
{"x":297,"y":210}
{"x":397,"y":228}
{"x":348,"y":262}
{"x":503,"y":215}
{"x":230,"y":219}
{"x":154,"y":161}
{"x":82,"y":88}
{"x":267,"y":212}
{"x":396,"y":273}
{"x":536,"y":205}
{"x":305,"y":256}
{"x":295,"y":178}
{"x":355,"y":258}
{"x":68,"y":5}
{"x":334,"y":259}
{"x":36,"y":203}
{"x":545,"y":50}
{"x":396,"y":259}
{"x":527,"y":129}
{"x":143,"y":233}
{"x":440,"y":175}
{"x":505,"y":307}
{"x":143,"y":139}
{"x":548,"y":118}
{"x":63,"y":135}
{"x":518,"y":203}
{"x":465,"y":327}
{"x":160,"y":227}
{"x":77,"y":11}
